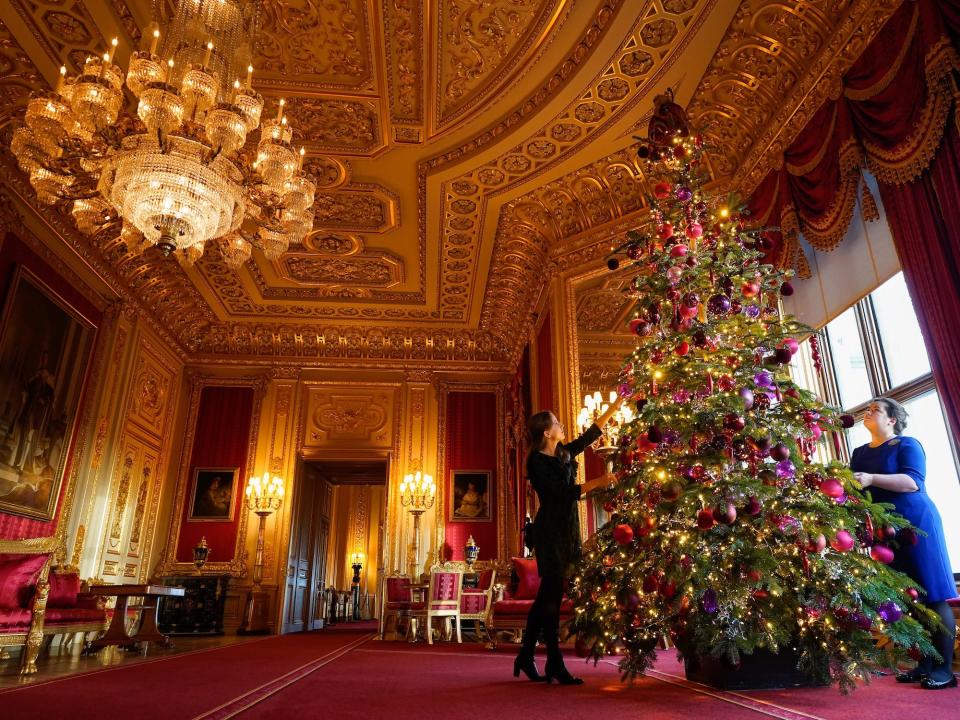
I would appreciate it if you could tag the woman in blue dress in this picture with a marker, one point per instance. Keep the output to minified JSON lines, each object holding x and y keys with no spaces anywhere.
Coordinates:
{"x":894,"y":468}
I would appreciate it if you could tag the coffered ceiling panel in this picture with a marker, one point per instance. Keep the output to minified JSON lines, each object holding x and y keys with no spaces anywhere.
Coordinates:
{"x":463,"y":151}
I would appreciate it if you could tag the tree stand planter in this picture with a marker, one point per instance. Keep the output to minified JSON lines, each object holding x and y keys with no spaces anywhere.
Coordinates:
{"x":763,"y":670}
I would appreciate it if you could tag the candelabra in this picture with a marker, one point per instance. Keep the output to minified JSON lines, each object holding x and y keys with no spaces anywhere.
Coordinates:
{"x":356,"y":563}
{"x":201,"y":551}
{"x":263,"y":496}
{"x":593,"y":408}
{"x":418,"y":492}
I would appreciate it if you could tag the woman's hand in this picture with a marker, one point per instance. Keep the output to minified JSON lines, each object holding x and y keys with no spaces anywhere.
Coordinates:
{"x":864,"y":479}
{"x":609,"y":412}
{"x":599,"y":483}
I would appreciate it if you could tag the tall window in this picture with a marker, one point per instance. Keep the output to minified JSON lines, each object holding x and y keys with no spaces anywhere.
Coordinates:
{"x":875,"y":349}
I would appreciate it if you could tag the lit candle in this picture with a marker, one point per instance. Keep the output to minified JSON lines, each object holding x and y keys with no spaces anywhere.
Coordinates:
{"x":153,"y":43}
{"x":280,"y":109}
{"x":236,"y":89}
{"x":303,"y":151}
{"x":249,"y":75}
{"x":63,"y":75}
{"x":113,"y":49}
{"x":206,"y":57}
{"x":169,"y":69}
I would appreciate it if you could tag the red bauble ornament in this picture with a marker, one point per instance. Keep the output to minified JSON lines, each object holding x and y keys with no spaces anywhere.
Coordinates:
{"x":665,"y":231}
{"x":662,"y":190}
{"x":753,"y":507}
{"x":623,"y":534}
{"x":683,"y":348}
{"x":734,"y":422}
{"x":881,"y":553}
{"x":913,"y":593}
{"x":831,"y":487}
{"x":786,"y":289}
{"x":817,"y":544}
{"x":726,"y":514}
{"x":651,"y":583}
{"x":705,"y":519}
{"x":668,"y":589}
{"x":842,"y":541}
{"x":750,"y":289}
{"x":678,"y":251}
{"x":687,"y":312}
{"x":780,"y":452}
{"x":753,"y":576}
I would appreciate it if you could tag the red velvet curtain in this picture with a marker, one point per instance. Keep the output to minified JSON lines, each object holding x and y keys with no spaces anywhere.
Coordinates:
{"x":221,"y":440}
{"x":471,"y":444}
{"x":924,"y":216}
{"x":897,"y":115}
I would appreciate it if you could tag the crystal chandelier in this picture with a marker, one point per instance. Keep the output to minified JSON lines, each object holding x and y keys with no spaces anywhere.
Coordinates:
{"x":180,"y":172}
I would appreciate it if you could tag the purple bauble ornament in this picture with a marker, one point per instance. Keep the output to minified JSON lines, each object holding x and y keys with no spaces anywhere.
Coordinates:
{"x":786,"y":469}
{"x":752,"y":311}
{"x":684,"y":194}
{"x":746,"y":394}
{"x":719,"y":304}
{"x":889,"y":611}
{"x":763,"y":379}
{"x":709,"y":601}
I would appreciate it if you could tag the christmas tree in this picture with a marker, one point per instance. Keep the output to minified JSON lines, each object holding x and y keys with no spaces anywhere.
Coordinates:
{"x":724,"y":534}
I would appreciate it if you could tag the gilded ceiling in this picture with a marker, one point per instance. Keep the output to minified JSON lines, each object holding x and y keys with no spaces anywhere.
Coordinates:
{"x":463,"y":151}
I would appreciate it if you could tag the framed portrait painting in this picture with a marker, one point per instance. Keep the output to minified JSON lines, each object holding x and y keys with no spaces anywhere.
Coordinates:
{"x":45,"y":348}
{"x":469,"y":495}
{"x":213,"y":494}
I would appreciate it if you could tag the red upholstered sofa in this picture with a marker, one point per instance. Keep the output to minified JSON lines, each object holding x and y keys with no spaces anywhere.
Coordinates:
{"x":36,"y":601}
{"x":512,"y":602}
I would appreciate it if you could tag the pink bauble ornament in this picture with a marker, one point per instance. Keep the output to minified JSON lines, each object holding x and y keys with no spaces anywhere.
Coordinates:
{"x":674,"y":274}
{"x":842,"y":541}
{"x":678,"y":251}
{"x":694,"y":230}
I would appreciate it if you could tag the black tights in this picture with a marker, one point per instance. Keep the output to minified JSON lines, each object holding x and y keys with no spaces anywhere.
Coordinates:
{"x":544,"y":619}
{"x":943,"y":641}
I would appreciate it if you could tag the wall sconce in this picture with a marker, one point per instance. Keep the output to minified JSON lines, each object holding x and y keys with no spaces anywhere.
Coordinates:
{"x":201,"y":551}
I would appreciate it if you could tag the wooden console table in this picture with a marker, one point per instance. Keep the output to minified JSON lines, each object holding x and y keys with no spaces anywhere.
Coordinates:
{"x":117,"y":632}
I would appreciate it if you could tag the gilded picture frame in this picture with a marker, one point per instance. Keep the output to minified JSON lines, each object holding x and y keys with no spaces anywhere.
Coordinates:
{"x":470,"y":493}
{"x":213,"y":494}
{"x":45,"y":349}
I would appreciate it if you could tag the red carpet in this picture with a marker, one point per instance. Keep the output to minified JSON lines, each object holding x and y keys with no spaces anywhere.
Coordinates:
{"x":180,"y":686}
{"x":341,"y":673}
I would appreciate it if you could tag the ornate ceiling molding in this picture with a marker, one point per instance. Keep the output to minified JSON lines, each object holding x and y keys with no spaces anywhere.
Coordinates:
{"x":776,"y":65}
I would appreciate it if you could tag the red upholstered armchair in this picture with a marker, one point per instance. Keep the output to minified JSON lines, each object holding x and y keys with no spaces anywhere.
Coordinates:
{"x":475,"y":603}
{"x":512,"y":603}
{"x":443,"y":600}
{"x":36,"y":601}
{"x":397,"y":602}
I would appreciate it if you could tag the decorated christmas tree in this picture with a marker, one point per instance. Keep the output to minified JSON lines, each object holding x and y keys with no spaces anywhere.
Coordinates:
{"x":724,"y":534}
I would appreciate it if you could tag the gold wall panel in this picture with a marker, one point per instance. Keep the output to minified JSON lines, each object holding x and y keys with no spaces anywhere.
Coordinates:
{"x":344,"y":417}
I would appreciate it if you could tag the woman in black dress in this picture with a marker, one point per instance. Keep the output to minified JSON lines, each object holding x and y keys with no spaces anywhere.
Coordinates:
{"x":556,"y":536}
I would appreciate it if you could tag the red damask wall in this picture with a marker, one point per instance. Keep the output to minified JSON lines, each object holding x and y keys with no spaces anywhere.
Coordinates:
{"x":471,"y":444}
{"x":221,"y":440}
{"x":14,"y":252}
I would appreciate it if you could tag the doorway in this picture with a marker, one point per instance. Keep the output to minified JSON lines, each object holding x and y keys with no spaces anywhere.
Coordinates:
{"x":337,"y":522}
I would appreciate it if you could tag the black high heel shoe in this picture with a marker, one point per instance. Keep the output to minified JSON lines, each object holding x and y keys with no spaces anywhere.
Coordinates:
{"x":928,"y":683}
{"x":561,"y":675}
{"x":913,"y":676}
{"x":528,"y":667}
